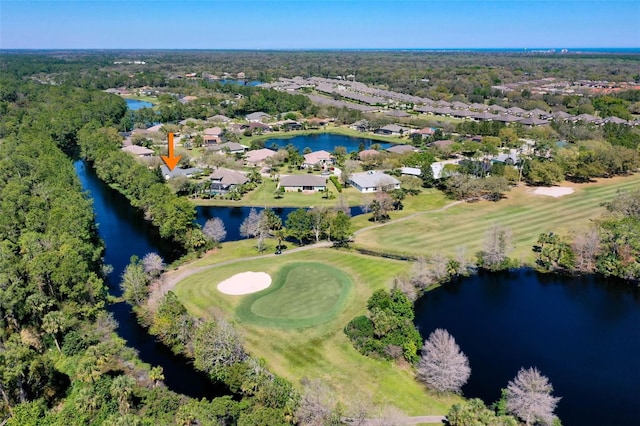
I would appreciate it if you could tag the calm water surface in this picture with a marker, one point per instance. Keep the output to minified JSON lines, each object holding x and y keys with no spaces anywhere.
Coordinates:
{"x":136,"y":104}
{"x":126,"y":233}
{"x":582,"y":333}
{"x":324,"y":141}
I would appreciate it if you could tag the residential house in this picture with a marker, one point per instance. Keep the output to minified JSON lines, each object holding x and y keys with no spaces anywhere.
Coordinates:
{"x":391,"y":130}
{"x":306,"y":182}
{"x":397,"y":113}
{"x":257,"y":117}
{"x":360,"y":126}
{"x":442,"y":143}
{"x":224,"y":180}
{"x":219,"y":119}
{"x":400,"y":149}
{"x":317,"y":158}
{"x":214,"y":131}
{"x":410,"y":171}
{"x":426,"y":132}
{"x":230,"y":147}
{"x":138,"y":151}
{"x":373,"y":181}
{"x":179,"y":171}
{"x":211,"y":139}
{"x":259,"y":155}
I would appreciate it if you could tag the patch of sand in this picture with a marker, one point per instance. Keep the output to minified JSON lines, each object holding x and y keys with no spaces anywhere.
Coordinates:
{"x":554,"y":191}
{"x":245,"y":283}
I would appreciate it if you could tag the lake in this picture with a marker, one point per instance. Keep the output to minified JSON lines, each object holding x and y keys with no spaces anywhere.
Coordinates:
{"x":136,"y":104}
{"x":324,"y":141}
{"x":582,"y":333}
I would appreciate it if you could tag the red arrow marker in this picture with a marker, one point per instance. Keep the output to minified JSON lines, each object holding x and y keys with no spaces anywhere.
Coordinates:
{"x":171,"y":161}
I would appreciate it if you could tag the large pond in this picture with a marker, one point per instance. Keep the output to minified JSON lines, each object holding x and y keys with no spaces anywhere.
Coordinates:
{"x":324,"y":141}
{"x":582,"y":333}
{"x":136,"y":104}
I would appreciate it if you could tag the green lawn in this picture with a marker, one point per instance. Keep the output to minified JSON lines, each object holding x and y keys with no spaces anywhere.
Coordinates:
{"x":301,"y":295}
{"x":525,"y":213}
{"x":320,"y":351}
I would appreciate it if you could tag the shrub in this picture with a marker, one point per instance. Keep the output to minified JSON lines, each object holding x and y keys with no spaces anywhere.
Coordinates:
{"x":336,"y":182}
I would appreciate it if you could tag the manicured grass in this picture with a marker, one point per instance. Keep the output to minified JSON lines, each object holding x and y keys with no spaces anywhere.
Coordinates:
{"x":525,"y":213}
{"x":322,"y":351}
{"x":264,"y":196}
{"x":301,"y":295}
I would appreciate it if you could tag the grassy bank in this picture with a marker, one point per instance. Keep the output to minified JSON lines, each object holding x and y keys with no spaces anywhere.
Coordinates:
{"x":321,"y":351}
{"x":527,"y":215}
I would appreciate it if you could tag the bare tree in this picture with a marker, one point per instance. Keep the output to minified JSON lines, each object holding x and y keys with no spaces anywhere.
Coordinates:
{"x":498,"y":244}
{"x":405,"y":285}
{"x":343,"y":205}
{"x":529,"y":397}
{"x":153,"y":264}
{"x":439,"y":268}
{"x":420,"y":275}
{"x":214,"y":230}
{"x":319,"y":221}
{"x":255,"y":225}
{"x":317,"y":405}
{"x":349,"y":167}
{"x":443,"y":366}
{"x":586,"y":247}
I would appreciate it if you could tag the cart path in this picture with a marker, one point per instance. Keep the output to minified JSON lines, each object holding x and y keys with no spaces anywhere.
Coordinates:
{"x":169,"y":279}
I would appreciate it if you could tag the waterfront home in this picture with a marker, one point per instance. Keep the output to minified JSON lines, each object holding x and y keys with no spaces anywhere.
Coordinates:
{"x":310,"y":183}
{"x":179,"y":171}
{"x":317,"y":158}
{"x":224,"y":180}
{"x":373,"y":181}
{"x":391,"y":130}
{"x":230,"y":147}
{"x":368,"y":154}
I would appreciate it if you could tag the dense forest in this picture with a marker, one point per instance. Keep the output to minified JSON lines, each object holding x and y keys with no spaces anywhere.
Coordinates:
{"x":60,"y":359}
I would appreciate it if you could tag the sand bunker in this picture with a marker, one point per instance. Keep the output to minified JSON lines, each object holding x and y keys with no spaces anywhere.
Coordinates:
{"x":245,"y":283}
{"x":554,"y":191}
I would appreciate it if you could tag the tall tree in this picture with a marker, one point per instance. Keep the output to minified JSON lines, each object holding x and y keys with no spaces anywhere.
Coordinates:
{"x":498,"y":244}
{"x":443,"y":367}
{"x":134,"y":283}
{"x":529,"y":397}
{"x":214,"y":230}
{"x":153,"y":264}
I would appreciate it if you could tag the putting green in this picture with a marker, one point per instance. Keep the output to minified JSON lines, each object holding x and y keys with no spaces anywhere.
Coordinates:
{"x":301,"y":295}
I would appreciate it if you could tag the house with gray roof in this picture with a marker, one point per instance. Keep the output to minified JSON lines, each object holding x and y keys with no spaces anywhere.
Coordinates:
{"x":373,"y":181}
{"x":179,"y":171}
{"x":224,"y":180}
{"x":229,"y":147}
{"x":310,"y":183}
{"x":219,"y":118}
{"x":391,"y":130}
{"x":533,"y":121}
{"x":401,"y":149}
{"x":256,"y":117}
{"x":138,"y":151}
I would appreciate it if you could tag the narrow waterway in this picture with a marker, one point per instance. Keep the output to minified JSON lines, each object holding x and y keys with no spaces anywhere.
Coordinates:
{"x":125,"y":234}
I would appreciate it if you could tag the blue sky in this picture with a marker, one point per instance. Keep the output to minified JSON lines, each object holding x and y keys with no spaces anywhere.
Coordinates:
{"x":328,"y":24}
